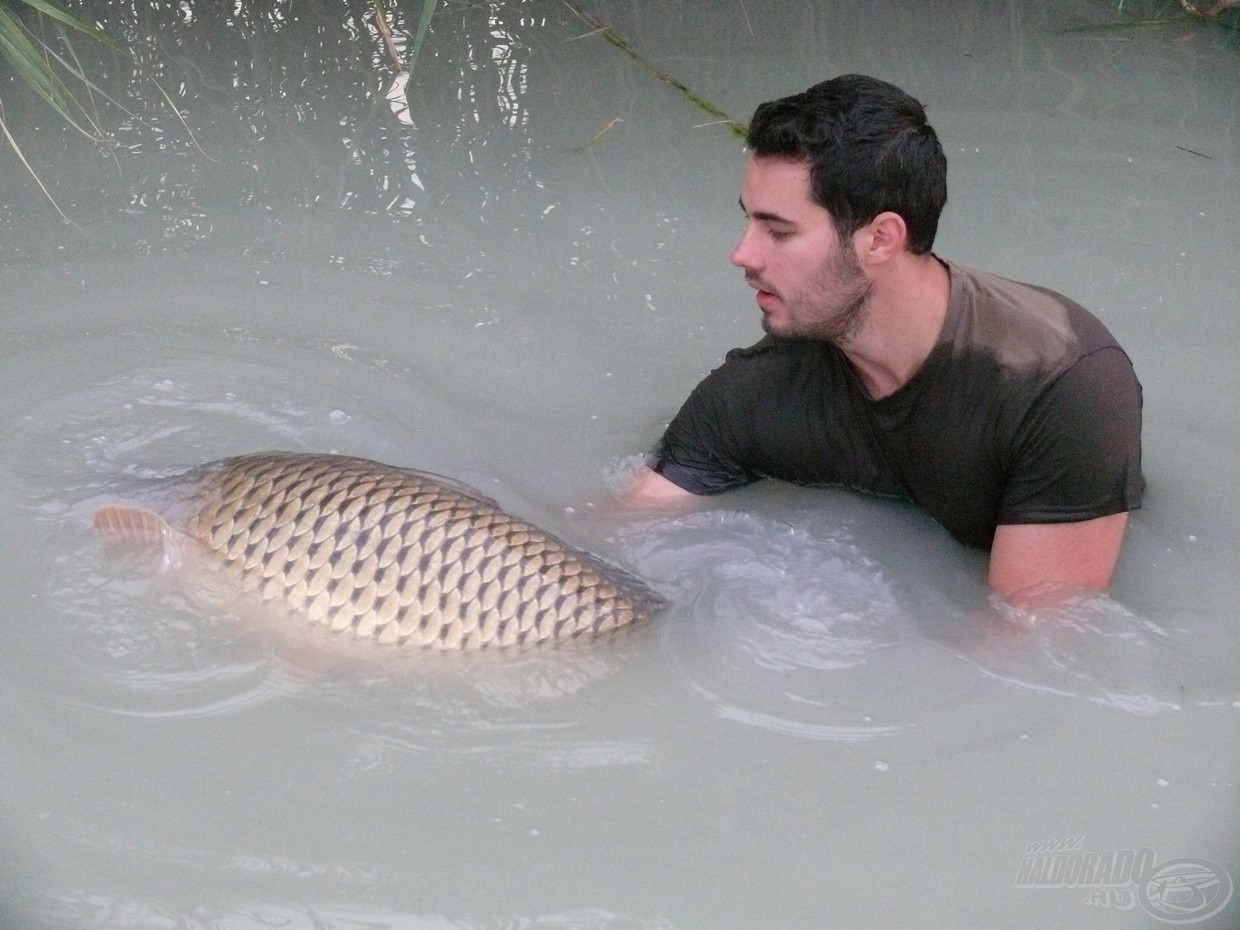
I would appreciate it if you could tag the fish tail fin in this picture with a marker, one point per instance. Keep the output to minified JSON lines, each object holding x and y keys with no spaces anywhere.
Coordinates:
{"x":142,"y":527}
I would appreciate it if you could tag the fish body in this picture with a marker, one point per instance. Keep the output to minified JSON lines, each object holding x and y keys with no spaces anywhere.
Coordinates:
{"x":390,"y":554}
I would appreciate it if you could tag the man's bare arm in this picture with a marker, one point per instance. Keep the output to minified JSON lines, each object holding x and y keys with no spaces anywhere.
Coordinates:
{"x":1038,"y":558}
{"x":651,"y":490}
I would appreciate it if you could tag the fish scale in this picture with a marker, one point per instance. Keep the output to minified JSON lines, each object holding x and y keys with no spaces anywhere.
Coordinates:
{"x":401,"y":556}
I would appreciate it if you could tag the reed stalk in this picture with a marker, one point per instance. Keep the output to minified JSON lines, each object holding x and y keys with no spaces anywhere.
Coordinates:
{"x":601,"y":29}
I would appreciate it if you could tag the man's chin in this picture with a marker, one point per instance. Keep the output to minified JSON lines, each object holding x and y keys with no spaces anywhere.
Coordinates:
{"x":779,"y":329}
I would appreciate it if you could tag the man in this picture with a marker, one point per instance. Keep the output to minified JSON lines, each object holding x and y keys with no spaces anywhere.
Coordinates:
{"x":1005,"y":410}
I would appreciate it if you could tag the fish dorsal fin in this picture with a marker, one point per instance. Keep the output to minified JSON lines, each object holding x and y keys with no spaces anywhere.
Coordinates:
{"x":142,"y":527}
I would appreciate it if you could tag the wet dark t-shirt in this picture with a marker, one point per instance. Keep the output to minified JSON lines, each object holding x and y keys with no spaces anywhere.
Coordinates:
{"x":1025,"y":411}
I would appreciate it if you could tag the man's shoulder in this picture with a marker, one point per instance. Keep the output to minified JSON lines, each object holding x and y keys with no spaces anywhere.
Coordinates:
{"x":1021,"y":325}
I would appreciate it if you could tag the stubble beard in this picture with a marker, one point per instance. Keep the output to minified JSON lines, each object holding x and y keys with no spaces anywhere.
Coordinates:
{"x":832,"y":308}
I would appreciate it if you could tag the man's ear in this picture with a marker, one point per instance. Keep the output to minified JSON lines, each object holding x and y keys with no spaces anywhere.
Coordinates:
{"x":881,"y":239}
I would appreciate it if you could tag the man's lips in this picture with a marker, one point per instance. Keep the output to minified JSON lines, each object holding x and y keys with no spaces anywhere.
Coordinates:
{"x":766,"y":297}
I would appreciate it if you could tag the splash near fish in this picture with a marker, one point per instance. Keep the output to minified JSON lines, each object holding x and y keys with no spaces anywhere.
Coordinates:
{"x":391,"y":554}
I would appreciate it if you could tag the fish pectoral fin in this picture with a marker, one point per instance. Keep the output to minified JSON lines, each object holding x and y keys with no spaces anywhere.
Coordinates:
{"x":139,"y":526}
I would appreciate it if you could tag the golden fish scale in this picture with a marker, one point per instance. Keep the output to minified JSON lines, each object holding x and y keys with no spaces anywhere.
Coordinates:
{"x":401,"y":556}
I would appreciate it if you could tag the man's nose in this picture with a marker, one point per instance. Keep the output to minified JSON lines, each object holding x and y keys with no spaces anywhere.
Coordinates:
{"x":744,"y":254}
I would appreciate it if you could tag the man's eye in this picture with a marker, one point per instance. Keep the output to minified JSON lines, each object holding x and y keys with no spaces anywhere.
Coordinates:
{"x":779,"y":235}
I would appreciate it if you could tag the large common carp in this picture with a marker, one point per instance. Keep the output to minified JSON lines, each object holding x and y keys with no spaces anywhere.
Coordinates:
{"x":388,"y":553}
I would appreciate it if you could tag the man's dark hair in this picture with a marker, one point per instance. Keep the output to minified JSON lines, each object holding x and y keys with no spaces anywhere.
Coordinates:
{"x":870,"y":150}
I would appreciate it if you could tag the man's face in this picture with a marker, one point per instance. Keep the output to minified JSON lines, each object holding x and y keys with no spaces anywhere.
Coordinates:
{"x":809,"y":283}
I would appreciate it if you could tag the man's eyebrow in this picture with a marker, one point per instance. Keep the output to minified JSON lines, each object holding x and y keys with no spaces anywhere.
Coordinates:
{"x":765,"y":216}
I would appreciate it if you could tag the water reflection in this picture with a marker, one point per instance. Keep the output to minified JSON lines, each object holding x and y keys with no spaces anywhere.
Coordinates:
{"x":306,"y":99}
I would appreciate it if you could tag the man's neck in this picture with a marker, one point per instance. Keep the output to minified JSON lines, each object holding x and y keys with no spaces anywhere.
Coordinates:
{"x":905,"y":317}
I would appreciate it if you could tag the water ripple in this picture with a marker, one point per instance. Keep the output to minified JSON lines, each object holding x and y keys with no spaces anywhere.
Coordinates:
{"x":783,"y":613}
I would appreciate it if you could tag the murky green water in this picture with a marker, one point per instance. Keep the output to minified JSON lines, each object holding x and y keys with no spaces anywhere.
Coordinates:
{"x":828,"y":728}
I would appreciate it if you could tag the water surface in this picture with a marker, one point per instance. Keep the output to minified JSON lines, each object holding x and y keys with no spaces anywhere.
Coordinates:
{"x":829,"y":727}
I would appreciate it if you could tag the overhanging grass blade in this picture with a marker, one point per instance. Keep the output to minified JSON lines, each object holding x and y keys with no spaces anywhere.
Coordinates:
{"x":33,"y":68}
{"x":21,"y":156}
{"x":61,"y":15}
{"x":22,"y":54}
{"x":601,"y":28}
